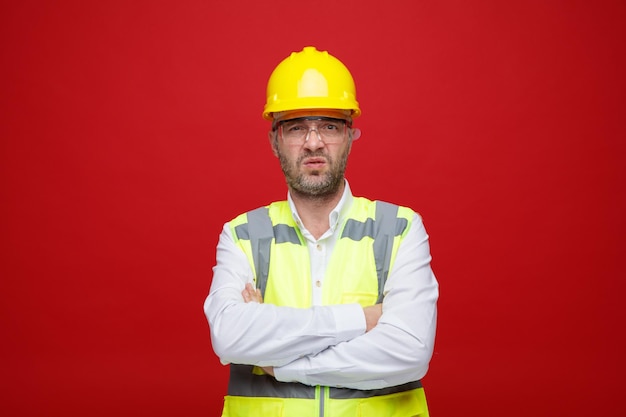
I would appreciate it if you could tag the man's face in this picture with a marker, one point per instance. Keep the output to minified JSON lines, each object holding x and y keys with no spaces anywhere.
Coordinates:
{"x":313,"y":168}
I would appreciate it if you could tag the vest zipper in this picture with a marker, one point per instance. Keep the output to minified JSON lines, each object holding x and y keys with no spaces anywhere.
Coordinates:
{"x":322,"y":393}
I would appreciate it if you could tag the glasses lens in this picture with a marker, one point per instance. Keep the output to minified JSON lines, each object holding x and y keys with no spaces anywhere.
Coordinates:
{"x":329,"y":130}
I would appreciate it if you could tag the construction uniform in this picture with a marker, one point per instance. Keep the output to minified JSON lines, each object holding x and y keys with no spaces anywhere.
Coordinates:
{"x":310,"y":327}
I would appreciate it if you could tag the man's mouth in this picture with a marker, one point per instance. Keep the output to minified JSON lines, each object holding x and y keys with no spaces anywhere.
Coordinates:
{"x":316,"y":162}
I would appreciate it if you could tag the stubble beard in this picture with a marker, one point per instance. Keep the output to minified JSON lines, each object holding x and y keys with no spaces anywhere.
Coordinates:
{"x":316,"y":184}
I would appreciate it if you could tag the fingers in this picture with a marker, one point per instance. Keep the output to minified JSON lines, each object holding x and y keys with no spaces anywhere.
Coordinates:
{"x":251,"y":294}
{"x":372,"y":314}
{"x":246,"y":295}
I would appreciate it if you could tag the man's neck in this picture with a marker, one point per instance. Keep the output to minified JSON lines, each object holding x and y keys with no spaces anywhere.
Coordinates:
{"x":314,"y":211}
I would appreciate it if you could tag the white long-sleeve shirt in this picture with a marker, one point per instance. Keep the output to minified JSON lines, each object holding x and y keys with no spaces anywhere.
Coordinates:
{"x":328,"y":345}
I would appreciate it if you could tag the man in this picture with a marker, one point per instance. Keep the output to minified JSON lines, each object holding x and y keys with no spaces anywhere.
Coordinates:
{"x":323,"y":304}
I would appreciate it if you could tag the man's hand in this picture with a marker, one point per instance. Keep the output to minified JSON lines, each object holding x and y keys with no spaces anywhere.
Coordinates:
{"x":251,"y":294}
{"x":372,"y":314}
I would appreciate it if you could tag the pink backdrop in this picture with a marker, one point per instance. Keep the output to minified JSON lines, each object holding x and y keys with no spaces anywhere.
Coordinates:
{"x":131,"y":131}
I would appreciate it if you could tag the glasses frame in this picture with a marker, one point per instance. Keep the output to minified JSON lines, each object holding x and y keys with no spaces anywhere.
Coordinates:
{"x":278,"y":126}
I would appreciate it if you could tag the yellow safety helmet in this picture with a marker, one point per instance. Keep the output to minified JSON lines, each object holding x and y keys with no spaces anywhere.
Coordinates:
{"x":310,"y":79}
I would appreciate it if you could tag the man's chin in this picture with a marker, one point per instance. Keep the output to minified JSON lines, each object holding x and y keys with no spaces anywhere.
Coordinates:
{"x":316,"y":186}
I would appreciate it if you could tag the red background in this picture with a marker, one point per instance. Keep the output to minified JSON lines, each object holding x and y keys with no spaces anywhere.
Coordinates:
{"x":132,"y":130}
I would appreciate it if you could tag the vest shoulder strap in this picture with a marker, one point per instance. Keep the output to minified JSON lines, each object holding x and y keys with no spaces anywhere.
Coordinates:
{"x":261,"y":233}
{"x":386,"y":215}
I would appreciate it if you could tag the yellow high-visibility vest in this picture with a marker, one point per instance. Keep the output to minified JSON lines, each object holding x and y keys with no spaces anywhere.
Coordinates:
{"x":356,"y":273}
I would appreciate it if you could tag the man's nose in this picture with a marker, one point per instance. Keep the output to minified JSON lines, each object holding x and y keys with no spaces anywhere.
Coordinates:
{"x":313,"y":141}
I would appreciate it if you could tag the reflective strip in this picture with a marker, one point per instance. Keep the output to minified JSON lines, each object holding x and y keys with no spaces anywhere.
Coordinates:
{"x":262,"y":233}
{"x":386,"y":215}
{"x":244,"y":383}
{"x":286,"y":234}
{"x":347,"y":393}
{"x":242,"y":232}
{"x":357,"y":230}
{"x":282,"y":232}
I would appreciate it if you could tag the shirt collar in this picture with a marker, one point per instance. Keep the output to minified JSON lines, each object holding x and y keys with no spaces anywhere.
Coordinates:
{"x":336,"y":216}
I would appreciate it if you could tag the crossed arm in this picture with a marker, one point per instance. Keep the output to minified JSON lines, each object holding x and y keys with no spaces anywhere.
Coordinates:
{"x":372,"y":313}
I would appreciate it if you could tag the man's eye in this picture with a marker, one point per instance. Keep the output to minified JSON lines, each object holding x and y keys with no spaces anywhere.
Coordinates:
{"x":330,"y":126}
{"x":295,"y":128}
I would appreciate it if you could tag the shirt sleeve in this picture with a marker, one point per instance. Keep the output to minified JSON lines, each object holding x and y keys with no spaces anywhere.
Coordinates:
{"x":399,"y":348}
{"x":264,"y":334}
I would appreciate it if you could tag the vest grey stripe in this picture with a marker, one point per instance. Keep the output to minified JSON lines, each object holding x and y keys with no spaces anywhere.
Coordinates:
{"x":282,"y":232}
{"x":386,"y":215}
{"x":357,"y":230}
{"x":347,"y":393}
{"x":262,"y":232}
{"x":242,"y":232}
{"x":286,"y":234}
{"x":246,"y":384}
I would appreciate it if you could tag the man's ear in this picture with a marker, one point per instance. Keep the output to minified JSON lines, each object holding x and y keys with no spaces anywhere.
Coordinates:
{"x":271,"y":135}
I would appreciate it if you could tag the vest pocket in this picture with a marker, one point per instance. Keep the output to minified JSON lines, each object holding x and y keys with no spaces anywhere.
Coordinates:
{"x":365,"y":299}
{"x":403,"y":404}
{"x":235,"y":406}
